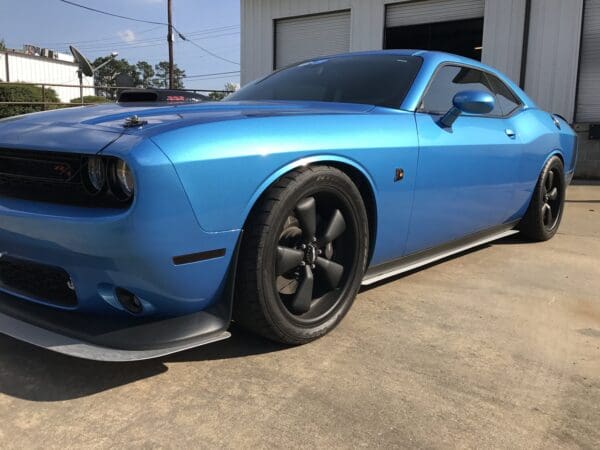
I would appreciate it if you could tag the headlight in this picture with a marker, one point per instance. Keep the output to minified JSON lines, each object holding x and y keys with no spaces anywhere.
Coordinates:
{"x":94,"y":176}
{"x":121,"y":180}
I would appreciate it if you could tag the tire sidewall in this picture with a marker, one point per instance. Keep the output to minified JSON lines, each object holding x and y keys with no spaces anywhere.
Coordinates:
{"x":307,"y":183}
{"x":553,"y":163}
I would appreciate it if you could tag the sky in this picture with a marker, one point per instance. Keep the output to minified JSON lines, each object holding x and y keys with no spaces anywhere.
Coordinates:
{"x":212,"y":24}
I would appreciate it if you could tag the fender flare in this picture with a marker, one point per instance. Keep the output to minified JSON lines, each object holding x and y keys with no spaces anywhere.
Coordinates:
{"x":312,"y":160}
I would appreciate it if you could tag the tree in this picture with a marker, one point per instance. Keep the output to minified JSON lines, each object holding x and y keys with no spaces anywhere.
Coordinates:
{"x":24,"y":93}
{"x":146,"y":73}
{"x":218,"y":96}
{"x":162,"y":76}
{"x":105,"y":76}
{"x":2,"y":45}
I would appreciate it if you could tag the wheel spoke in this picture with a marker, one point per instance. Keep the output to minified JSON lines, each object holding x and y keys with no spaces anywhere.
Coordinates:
{"x":549,"y":181}
{"x":303,"y":297}
{"x":547,"y":214}
{"x":287,"y":259}
{"x":331,"y":271}
{"x":306,"y":211}
{"x":553,"y":194}
{"x":335,"y":228}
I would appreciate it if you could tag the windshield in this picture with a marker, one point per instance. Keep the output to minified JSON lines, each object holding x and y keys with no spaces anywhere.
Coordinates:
{"x":381,"y":80}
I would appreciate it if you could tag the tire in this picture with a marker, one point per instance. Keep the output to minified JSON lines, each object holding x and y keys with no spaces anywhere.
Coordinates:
{"x":542,"y":219}
{"x":303,"y":256}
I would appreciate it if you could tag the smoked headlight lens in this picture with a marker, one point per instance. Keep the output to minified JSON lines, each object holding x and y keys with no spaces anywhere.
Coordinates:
{"x":121,"y":180}
{"x":95,"y":175}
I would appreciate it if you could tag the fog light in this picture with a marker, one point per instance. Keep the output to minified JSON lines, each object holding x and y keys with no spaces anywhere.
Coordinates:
{"x":129,"y":301}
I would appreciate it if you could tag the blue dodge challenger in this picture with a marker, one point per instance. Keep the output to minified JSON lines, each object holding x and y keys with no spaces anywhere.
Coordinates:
{"x":138,"y":229}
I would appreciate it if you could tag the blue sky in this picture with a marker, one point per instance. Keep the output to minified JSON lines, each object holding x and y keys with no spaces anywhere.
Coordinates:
{"x":213,"y":24}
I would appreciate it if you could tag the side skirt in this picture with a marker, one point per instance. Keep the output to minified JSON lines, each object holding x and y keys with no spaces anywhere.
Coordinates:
{"x":416,"y":260}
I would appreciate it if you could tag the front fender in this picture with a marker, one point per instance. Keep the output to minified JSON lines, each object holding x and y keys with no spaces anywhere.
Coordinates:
{"x":303,"y":162}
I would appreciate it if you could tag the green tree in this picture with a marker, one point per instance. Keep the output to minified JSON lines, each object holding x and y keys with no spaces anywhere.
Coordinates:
{"x":24,"y":93}
{"x":162,"y":76}
{"x":146,"y":74}
{"x":105,"y":76}
{"x":218,"y":96}
{"x":2,"y":45}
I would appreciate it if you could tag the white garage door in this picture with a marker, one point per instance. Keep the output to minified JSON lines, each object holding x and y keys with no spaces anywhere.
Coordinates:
{"x":301,"y":38}
{"x":431,"y":11}
{"x":588,"y":95}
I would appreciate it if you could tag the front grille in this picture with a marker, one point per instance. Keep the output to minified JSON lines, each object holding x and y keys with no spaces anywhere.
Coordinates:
{"x":40,"y":282}
{"x":49,"y":177}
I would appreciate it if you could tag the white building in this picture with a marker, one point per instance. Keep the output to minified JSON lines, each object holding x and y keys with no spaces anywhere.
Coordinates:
{"x":551,"y":48}
{"x":25,"y":68}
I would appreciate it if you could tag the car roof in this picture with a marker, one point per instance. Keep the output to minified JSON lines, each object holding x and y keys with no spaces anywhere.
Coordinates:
{"x":432,"y":59}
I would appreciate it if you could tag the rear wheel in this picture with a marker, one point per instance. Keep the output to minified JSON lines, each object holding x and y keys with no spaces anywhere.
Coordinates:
{"x":303,"y":257}
{"x":544,"y":214}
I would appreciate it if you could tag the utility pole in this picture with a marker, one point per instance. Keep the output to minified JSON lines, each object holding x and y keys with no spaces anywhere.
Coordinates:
{"x":170,"y":41}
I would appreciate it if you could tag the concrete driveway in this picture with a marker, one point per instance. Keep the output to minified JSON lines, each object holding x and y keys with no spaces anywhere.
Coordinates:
{"x":499,"y":347}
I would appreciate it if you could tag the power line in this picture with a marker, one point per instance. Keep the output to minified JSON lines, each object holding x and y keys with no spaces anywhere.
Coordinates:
{"x":112,"y":14}
{"x":179,"y":33}
{"x":206,"y":50}
{"x":212,"y":74}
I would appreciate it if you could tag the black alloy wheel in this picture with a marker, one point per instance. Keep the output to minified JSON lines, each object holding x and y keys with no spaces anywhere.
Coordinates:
{"x":552,"y":198}
{"x":304,"y":257}
{"x":542,"y":219}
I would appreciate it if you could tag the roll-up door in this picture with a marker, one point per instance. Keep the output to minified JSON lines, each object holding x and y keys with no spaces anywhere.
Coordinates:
{"x":301,"y":38}
{"x":588,"y":95}
{"x":432,"y":11}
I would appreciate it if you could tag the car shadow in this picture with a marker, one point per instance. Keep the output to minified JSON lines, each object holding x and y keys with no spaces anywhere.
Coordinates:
{"x":34,"y":374}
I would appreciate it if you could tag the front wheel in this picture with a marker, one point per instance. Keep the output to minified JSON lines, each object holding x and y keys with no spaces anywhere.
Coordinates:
{"x":303,"y":256}
{"x":544,"y":214}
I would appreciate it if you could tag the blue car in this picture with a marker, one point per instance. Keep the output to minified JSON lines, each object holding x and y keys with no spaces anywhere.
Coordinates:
{"x":134,"y":230}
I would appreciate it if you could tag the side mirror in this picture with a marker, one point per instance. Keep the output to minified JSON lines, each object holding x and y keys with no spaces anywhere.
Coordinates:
{"x":470,"y":102}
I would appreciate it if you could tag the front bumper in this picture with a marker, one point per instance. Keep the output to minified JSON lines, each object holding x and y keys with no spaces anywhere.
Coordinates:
{"x":184,"y":304}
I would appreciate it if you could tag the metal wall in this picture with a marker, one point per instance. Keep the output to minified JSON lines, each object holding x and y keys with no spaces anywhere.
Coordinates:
{"x":35,"y":69}
{"x":553,"y":54}
{"x":534,"y":42}
{"x":502,"y":35}
{"x":307,"y":37}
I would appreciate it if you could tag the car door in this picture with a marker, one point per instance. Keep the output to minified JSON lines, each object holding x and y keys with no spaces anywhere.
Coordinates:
{"x":465,"y":173}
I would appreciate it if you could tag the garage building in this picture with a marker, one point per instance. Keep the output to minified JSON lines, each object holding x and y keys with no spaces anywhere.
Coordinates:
{"x":551,"y":48}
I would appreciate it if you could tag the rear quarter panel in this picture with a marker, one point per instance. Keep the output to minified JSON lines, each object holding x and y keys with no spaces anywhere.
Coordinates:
{"x":540,"y":139}
{"x":226,"y":166}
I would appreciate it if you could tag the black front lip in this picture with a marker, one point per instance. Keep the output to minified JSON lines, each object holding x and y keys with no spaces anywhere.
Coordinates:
{"x":118,"y":338}
{"x":107,"y":338}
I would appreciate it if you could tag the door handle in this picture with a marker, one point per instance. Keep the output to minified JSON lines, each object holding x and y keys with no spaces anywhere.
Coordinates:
{"x":510,"y":133}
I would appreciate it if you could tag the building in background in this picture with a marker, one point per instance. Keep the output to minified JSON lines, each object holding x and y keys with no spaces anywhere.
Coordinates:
{"x":40,"y":65}
{"x":551,"y":48}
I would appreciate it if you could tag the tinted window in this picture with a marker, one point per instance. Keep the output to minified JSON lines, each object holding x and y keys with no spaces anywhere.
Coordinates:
{"x":381,"y":80}
{"x":506,"y":100}
{"x":449,"y":81}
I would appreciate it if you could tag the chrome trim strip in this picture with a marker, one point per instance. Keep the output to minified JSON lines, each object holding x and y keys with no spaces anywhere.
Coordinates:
{"x":407,"y":264}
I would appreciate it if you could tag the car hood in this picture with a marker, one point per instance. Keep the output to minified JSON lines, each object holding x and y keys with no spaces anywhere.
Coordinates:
{"x":88,"y":129}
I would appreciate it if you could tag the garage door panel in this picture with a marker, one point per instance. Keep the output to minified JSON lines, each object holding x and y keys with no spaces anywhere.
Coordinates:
{"x":300,"y":38}
{"x":588,"y":98}
{"x":431,"y":11}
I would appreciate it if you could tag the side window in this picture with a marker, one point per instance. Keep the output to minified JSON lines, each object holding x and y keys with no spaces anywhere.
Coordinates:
{"x":449,"y":81}
{"x":506,"y":100}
